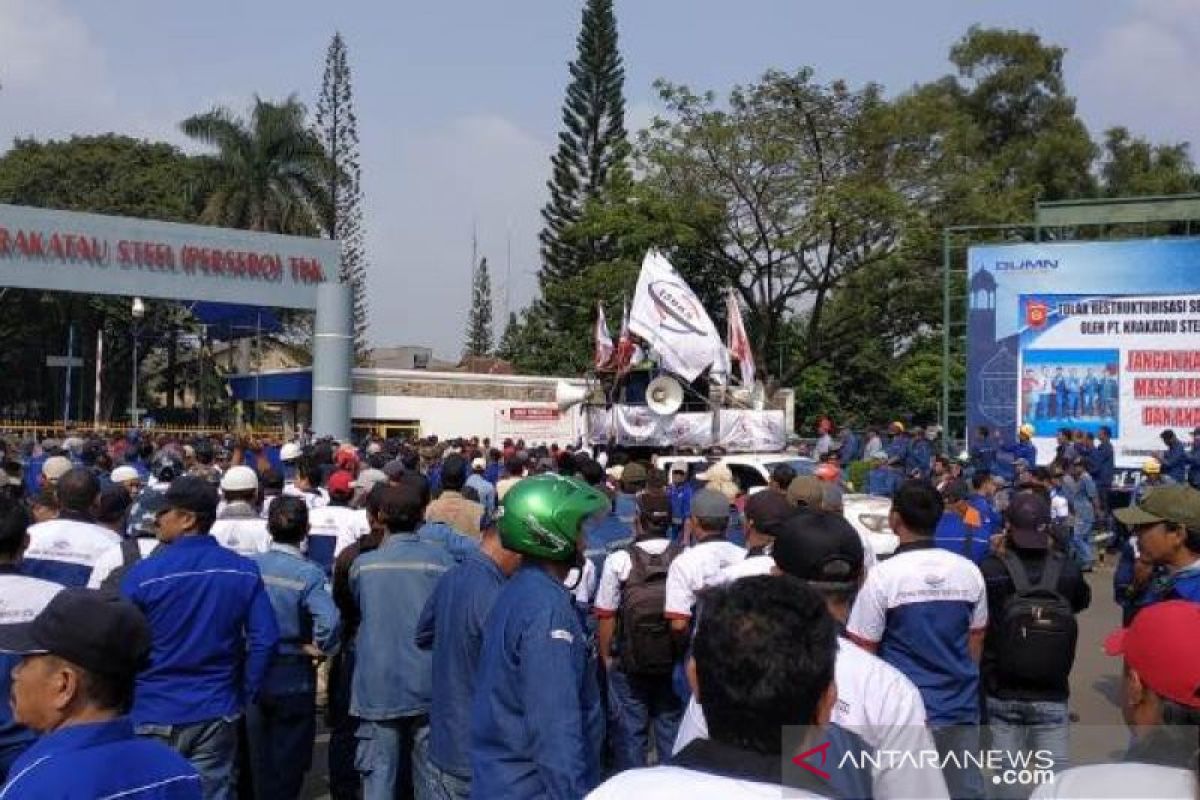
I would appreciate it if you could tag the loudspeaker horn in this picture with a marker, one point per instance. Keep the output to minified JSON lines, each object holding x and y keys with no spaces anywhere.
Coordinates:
{"x":664,"y":395}
{"x":566,"y":395}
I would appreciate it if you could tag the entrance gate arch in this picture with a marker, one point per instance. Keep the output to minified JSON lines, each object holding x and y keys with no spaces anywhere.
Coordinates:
{"x":67,"y":251}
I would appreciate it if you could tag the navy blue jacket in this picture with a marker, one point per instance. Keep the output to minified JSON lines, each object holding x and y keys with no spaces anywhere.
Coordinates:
{"x":1174,"y":462}
{"x":98,"y":760}
{"x":1105,"y":466}
{"x":213,"y":632}
{"x":1194,"y":467}
{"x":536,"y":721}
{"x":452,"y":626}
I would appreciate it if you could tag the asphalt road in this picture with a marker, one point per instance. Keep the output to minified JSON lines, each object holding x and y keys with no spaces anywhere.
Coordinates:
{"x":1097,"y":735}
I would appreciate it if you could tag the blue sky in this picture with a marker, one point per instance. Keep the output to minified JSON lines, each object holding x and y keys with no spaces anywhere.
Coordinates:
{"x":458,"y":101}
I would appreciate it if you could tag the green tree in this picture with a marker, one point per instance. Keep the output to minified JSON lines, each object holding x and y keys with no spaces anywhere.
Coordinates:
{"x":337,"y":130}
{"x":107,"y":174}
{"x":592,"y":146}
{"x":1130,"y":165}
{"x":268,"y":173}
{"x":1012,"y":86}
{"x":479,"y":317}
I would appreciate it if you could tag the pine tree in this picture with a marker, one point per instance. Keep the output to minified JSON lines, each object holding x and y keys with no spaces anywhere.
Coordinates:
{"x":337,"y":127}
{"x":593,"y":146}
{"x":479,"y":318}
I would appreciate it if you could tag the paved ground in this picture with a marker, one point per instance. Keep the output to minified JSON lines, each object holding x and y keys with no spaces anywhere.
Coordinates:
{"x":1098,"y":734}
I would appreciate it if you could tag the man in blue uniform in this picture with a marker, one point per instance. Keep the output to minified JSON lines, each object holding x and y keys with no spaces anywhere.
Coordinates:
{"x":213,"y":633}
{"x":451,"y":625}
{"x":392,"y":680}
{"x":1166,"y":523}
{"x":73,"y":686}
{"x":1073,"y":385}
{"x":680,"y":492}
{"x":983,"y":451}
{"x":281,"y":723}
{"x":1174,"y":461}
{"x":1023,"y":450}
{"x":1059,"y":382}
{"x":536,"y":721}
{"x":897,"y":449}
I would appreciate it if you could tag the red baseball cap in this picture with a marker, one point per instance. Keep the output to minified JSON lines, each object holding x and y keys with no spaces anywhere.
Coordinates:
{"x":1163,"y":646}
{"x":340,"y":482}
{"x":346,"y":459}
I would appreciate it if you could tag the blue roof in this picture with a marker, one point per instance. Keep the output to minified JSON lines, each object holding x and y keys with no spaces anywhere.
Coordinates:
{"x":273,"y":387}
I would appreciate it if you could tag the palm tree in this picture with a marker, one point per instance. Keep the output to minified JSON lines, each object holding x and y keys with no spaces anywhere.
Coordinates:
{"x":267,"y":173}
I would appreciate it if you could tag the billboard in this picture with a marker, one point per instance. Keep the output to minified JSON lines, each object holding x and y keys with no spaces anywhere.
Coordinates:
{"x":535,"y":424}
{"x":1084,"y":335}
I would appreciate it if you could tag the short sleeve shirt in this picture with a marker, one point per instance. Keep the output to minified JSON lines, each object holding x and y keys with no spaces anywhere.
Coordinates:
{"x":920,"y":607}
{"x":616,"y":571}
{"x":698,"y":567}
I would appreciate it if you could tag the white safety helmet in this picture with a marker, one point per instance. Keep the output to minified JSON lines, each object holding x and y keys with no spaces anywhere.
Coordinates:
{"x":240,"y":479}
{"x":290,"y":452}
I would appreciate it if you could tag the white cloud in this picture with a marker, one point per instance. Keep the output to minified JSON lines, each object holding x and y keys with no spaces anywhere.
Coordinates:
{"x":1140,"y":73}
{"x":55,"y":80}
{"x":423,"y":200}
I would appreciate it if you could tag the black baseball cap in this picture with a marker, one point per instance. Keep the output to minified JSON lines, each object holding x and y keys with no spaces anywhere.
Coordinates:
{"x":1028,"y":516}
{"x":190,"y":493}
{"x":819,"y":547}
{"x":654,"y":511}
{"x":768,"y":509}
{"x":99,"y":632}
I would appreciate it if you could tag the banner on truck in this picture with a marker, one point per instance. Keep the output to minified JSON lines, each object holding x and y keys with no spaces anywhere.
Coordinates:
{"x":1085,"y":335}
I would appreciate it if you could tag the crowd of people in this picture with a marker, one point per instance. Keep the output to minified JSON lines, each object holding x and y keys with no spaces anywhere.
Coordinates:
{"x":514,"y":621}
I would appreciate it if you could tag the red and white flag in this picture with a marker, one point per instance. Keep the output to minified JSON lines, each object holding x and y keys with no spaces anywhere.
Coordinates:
{"x":604,"y":343}
{"x":626,"y":347}
{"x":739,"y":343}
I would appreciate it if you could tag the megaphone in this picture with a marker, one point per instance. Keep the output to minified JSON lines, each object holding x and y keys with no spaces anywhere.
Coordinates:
{"x":566,"y":395}
{"x":664,"y":395}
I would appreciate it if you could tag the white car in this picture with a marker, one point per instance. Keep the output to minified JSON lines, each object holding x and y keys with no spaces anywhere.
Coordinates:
{"x":867,"y":513}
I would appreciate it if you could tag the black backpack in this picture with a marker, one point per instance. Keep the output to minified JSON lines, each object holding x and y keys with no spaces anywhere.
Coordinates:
{"x":642,"y":631}
{"x":130,"y":555}
{"x":1036,"y":638}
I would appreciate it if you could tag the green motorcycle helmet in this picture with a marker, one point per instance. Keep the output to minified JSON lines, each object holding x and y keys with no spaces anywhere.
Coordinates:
{"x":542,"y":516}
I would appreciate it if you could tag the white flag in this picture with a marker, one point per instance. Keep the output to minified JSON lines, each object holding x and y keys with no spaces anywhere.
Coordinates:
{"x":604,"y":344}
{"x":669,"y":316}
{"x":739,"y":342}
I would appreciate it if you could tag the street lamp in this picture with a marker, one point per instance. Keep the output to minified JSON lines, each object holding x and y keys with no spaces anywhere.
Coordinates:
{"x":139,"y":311}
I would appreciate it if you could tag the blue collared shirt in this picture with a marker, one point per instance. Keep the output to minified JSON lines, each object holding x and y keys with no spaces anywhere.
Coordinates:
{"x":450,"y":540}
{"x":536,"y":721}
{"x":305,"y":613}
{"x":485,"y":490}
{"x":391,"y":586}
{"x":101,"y":760}
{"x":213,"y":632}
{"x":452,"y":626}
{"x":952,"y":533}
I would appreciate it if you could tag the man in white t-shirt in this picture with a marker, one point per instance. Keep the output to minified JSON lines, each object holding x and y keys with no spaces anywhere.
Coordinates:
{"x":239,"y":526}
{"x":702,"y":564}
{"x":924,"y":611}
{"x":876,"y":703}
{"x":336,"y":526}
{"x":762,"y":659}
{"x":65,"y":550}
{"x":1161,"y":694}
{"x":630,"y":595}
